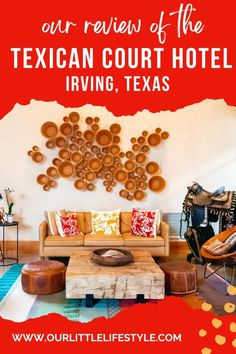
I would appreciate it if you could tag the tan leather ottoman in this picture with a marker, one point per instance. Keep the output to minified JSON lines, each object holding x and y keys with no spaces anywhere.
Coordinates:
{"x":180,"y":277}
{"x":43,"y":277}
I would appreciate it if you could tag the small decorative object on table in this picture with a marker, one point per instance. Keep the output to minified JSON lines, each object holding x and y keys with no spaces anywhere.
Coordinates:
{"x":9,"y":217}
{"x":111,"y":256}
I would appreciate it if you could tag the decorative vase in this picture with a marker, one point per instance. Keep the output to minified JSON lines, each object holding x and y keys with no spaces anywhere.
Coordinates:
{"x":10,"y":218}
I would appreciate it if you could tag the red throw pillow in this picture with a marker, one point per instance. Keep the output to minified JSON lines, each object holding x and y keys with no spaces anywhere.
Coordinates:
{"x":69,"y":225}
{"x":143,"y":223}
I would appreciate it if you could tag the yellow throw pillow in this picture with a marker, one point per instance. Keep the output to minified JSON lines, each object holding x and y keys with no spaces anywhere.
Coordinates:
{"x":106,"y":223}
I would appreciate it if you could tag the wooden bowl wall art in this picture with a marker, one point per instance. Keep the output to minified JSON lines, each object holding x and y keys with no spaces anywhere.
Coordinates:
{"x":95,"y":153}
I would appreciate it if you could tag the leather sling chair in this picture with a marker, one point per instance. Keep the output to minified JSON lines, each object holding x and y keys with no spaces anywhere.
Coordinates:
{"x":225,"y":259}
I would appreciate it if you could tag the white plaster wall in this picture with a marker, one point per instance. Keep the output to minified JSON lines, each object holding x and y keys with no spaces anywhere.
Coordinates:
{"x":201,"y":147}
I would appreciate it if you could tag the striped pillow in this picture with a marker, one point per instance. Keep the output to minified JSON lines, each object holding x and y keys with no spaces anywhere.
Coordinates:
{"x":51,"y":219}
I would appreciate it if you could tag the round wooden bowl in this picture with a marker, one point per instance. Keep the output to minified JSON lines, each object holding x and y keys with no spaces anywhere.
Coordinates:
{"x":88,"y":144}
{"x":139,"y":195}
{"x":133,"y":140}
{"x":89,"y":120}
{"x":79,"y":133}
{"x":114,"y":149}
{"x":142,"y":185}
{"x":130,"y":185}
{"x":66,"y":169}
{"x":145,"y":148}
{"x":115,"y":128}
{"x":50,"y":144}
{"x":30,"y":153}
{"x":95,"y":149}
{"x":154,"y":139}
{"x":42,"y":179}
{"x":52,"y":172}
{"x":79,"y":184}
{"x":141,"y":140}
{"x":73,"y":147}
{"x":56,"y":161}
{"x":73,"y":139}
{"x":100,"y":155}
{"x":52,"y":183}
{"x":76,"y":157}
{"x":94,"y":164}
{"x":87,"y":155}
{"x":140,"y":171}
{"x":130,"y":197}
{"x":158,"y":130}
{"x":129,"y":155}
{"x":104,"y":137}
{"x":90,"y":187}
{"x":126,"y":257}
{"x":157,"y":184}
{"x":130,"y":165}
{"x":165,"y":135}
{"x":90,"y":176}
{"x":49,"y":129}
{"x":119,"y":166}
{"x":108,"y":176}
{"x":35,"y":148}
{"x":75,"y":127}
{"x":96,"y":119}
{"x":131,"y":175}
{"x":79,"y":173}
{"x":137,"y":179}
{"x":136,"y":147}
{"x":65,"y":119}
{"x":99,"y":174}
{"x":37,"y":157}
{"x":107,"y":160}
{"x":121,"y":154}
{"x":144,"y":177}
{"x":60,"y":141}
{"x":123,"y":193}
{"x":144,"y":133}
{"x":95,"y":127}
{"x":121,"y":176}
{"x":116,"y":139}
{"x":112,"y":169}
{"x":66,"y":129}
{"x":105,"y":150}
{"x":80,"y":141}
{"x":141,"y":158}
{"x":46,"y":187}
{"x":152,"y":167}
{"x":89,"y":135}
{"x":105,"y":183}
{"x":64,"y":154}
{"x":113,"y":183}
{"x":109,"y":189}
{"x":74,"y":117}
{"x":82,"y":149}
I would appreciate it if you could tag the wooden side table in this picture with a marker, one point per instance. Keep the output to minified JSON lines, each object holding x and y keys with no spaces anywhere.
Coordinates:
{"x":4,"y":259}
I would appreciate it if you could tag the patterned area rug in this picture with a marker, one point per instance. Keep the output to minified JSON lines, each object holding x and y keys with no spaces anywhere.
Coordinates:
{"x":33,"y":306}
{"x":211,"y":290}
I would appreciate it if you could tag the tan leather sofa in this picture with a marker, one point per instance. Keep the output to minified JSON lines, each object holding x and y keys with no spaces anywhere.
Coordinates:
{"x":57,"y":246}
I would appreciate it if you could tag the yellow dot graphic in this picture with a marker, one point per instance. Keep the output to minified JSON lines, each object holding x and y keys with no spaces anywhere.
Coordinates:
{"x":206,"y":306}
{"x":220,"y":339}
{"x":229,"y":307}
{"x":206,"y":350}
{"x":231,"y":290}
{"x":234,"y":343}
{"x":216,"y":323}
{"x":202,"y":333}
{"x":232,"y":327}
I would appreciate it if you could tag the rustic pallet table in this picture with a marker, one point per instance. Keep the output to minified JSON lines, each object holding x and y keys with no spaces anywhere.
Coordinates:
{"x":142,"y":279}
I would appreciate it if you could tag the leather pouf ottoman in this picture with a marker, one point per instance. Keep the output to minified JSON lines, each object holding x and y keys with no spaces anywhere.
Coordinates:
{"x":43,"y":277}
{"x":180,"y":277}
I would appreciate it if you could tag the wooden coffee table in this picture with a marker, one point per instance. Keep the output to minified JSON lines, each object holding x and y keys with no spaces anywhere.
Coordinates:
{"x":142,"y":279}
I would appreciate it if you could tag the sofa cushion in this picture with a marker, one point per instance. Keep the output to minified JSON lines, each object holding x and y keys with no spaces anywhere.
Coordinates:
{"x":125,"y":221}
{"x":80,"y":220}
{"x":88,"y":222}
{"x":57,"y":240}
{"x":106,"y":223}
{"x":106,"y":241}
{"x":139,"y":241}
{"x":68,"y":225}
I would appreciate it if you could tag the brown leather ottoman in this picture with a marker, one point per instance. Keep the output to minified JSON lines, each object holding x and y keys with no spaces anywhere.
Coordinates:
{"x":180,"y":277}
{"x":43,"y":277}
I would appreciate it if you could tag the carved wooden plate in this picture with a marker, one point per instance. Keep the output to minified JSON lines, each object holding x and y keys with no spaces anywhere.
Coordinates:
{"x":120,"y":257}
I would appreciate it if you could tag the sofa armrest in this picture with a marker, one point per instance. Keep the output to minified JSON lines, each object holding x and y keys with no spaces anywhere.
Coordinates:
{"x":165,"y":233}
{"x":43,"y":227}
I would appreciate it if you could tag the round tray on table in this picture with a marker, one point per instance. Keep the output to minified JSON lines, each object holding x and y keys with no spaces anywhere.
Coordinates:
{"x":98,"y":256}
